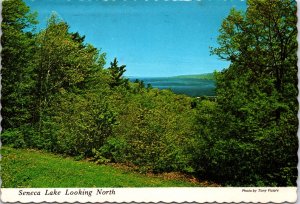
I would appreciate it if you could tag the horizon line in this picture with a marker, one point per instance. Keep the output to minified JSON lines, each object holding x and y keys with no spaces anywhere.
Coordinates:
{"x":131,"y":76}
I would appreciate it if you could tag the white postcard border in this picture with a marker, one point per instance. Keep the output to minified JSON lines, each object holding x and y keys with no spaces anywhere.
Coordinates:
{"x":177,"y":194}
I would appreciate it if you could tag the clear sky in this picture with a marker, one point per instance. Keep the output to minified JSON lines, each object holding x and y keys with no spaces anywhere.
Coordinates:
{"x":151,"y":37}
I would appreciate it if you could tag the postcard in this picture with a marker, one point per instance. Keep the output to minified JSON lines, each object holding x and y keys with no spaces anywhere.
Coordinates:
{"x":149,"y":101}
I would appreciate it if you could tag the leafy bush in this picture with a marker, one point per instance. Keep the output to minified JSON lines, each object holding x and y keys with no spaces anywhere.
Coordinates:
{"x":152,"y":132}
{"x":84,"y":123}
{"x":14,"y":138}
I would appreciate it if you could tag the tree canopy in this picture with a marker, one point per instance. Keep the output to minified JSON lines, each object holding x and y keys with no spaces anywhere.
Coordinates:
{"x":257,"y":94}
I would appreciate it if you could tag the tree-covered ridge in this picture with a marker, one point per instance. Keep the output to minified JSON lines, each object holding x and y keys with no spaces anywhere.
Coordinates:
{"x":207,"y":76}
{"x":57,"y":95}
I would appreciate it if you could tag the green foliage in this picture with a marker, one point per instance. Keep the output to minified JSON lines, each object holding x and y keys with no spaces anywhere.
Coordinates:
{"x":113,"y":150}
{"x":66,"y":69}
{"x":17,"y":64}
{"x":63,"y":61}
{"x":89,"y":128}
{"x":116,"y":73}
{"x":14,"y":138}
{"x":99,"y":159}
{"x":257,"y":97}
{"x":152,"y":127}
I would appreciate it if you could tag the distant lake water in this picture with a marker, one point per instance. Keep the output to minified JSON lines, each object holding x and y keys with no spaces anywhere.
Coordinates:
{"x":188,"y":86}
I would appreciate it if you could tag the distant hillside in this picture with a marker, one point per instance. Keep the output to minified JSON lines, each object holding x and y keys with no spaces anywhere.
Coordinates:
{"x":207,"y":76}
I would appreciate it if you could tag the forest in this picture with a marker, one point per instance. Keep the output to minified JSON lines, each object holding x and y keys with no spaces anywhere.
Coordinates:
{"x":60,"y":95}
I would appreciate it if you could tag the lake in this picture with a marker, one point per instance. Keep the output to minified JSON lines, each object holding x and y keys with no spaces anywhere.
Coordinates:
{"x":188,"y":86}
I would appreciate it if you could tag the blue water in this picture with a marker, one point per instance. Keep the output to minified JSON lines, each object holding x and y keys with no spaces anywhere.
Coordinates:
{"x":190,"y":87}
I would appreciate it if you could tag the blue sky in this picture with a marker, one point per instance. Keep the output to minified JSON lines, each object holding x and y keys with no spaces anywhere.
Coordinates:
{"x":152,"y":38}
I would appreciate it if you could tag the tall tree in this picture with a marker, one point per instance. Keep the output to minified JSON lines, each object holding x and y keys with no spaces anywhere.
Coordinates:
{"x":257,"y":95}
{"x":64,"y":64}
{"x":116,"y":73}
{"x":63,"y":61}
{"x":17,"y":63}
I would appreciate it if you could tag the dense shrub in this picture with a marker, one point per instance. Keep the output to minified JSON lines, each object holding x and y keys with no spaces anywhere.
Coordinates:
{"x":152,"y":132}
{"x":14,"y":138}
{"x":83,"y":123}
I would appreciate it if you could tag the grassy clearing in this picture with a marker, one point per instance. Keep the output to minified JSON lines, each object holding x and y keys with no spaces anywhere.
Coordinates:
{"x":32,"y":168}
